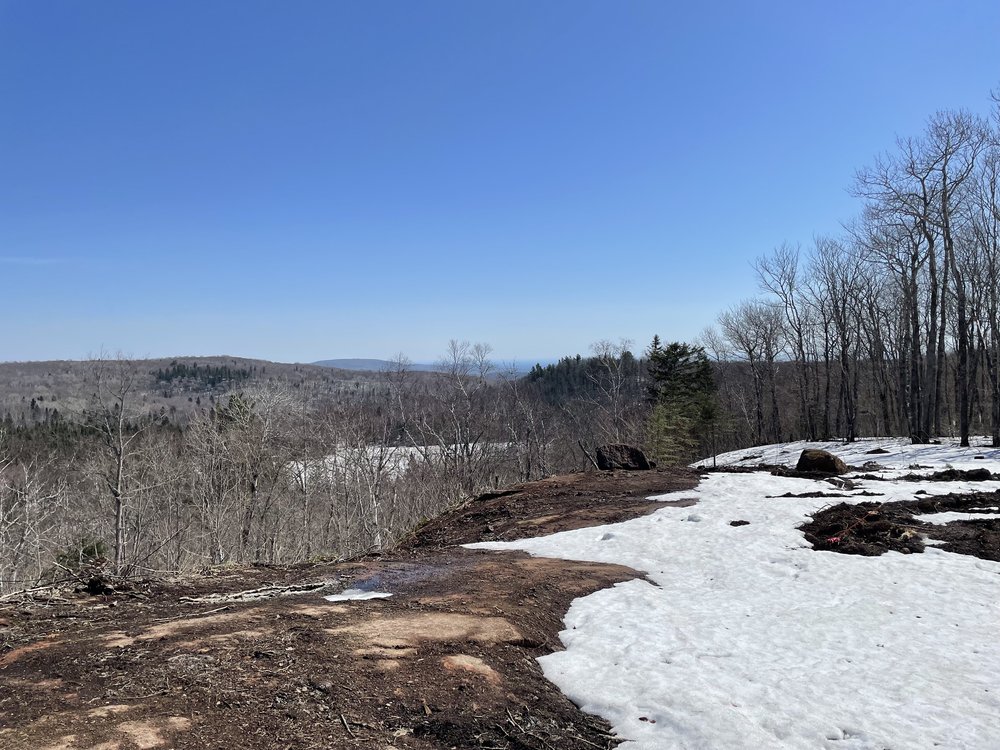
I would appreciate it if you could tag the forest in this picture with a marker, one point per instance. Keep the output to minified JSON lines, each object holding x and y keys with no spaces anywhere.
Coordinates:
{"x":278,"y":471}
{"x":893,"y":328}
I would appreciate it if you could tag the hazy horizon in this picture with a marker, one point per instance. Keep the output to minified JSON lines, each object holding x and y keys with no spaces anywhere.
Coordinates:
{"x":520,"y":362}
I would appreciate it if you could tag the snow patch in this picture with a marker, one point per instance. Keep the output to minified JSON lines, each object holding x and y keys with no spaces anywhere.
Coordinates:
{"x":949,"y":516}
{"x":746,"y":637}
{"x":355,"y":595}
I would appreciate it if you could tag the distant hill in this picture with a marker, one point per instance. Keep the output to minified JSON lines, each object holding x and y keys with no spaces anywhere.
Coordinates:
{"x":33,"y":392}
{"x":46,"y":391}
{"x":372,"y":365}
{"x":521,"y":367}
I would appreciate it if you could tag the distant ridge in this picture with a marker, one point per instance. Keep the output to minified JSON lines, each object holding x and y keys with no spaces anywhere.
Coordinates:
{"x":372,"y":365}
{"x":521,"y":367}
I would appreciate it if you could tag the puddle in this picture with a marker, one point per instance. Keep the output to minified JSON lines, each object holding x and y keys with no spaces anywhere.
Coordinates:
{"x":401,"y":576}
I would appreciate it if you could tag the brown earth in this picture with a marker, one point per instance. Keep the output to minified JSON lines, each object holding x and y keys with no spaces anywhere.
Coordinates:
{"x":449,"y":661}
{"x":872,"y":529}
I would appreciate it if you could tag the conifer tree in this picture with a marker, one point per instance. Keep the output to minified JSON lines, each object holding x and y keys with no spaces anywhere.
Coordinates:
{"x":682,"y":391}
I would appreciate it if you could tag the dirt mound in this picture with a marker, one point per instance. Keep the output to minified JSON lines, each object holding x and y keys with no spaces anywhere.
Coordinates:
{"x":863,"y":529}
{"x":954,"y":475}
{"x":904,"y":526}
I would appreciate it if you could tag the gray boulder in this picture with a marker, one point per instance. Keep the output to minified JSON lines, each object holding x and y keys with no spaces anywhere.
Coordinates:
{"x":621,"y":456}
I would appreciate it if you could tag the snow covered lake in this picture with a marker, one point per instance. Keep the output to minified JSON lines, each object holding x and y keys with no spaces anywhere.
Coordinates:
{"x":745,"y":637}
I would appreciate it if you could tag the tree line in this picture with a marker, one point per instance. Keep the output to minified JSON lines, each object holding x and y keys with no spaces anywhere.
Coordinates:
{"x":892,"y":328}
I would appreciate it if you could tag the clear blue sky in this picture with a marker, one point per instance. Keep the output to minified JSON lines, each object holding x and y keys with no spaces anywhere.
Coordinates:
{"x":302,"y":180}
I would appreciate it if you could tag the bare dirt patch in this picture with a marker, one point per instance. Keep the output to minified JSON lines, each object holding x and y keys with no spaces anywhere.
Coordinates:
{"x":398,"y":632}
{"x":560,"y":503}
{"x":16,"y":653}
{"x":472,"y":664}
{"x":875,"y":528}
{"x":449,"y":661}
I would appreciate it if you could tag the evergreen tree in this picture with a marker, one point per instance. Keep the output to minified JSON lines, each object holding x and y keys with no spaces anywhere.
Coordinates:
{"x":682,"y":391}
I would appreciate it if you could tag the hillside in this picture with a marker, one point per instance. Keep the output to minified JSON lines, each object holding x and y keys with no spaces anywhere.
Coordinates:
{"x":447,"y":661}
{"x":518,"y":367}
{"x":374,"y":365}
{"x":35,"y":391}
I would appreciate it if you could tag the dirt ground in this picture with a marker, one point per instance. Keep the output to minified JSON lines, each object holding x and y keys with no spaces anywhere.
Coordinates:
{"x":449,"y":661}
{"x":875,"y":528}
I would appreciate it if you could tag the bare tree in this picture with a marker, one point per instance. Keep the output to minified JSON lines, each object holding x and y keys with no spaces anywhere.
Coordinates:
{"x":984,"y":205}
{"x":837,"y":275}
{"x":955,"y":142}
{"x":755,"y":331}
{"x":616,"y":380}
{"x":31,"y":495}
{"x":116,"y":416}
{"x":779,"y":274}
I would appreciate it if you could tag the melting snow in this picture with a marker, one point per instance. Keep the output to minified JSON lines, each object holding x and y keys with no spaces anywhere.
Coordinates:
{"x":744,"y":637}
{"x":949,"y":516}
{"x":353,"y":595}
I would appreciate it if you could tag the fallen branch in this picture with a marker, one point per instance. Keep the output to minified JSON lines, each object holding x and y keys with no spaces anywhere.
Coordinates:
{"x":251,"y":595}
{"x":347,"y":726}
{"x":587,"y":454}
{"x":187,"y":615}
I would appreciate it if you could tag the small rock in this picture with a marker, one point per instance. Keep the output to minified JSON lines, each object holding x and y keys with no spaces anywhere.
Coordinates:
{"x":324,"y":686}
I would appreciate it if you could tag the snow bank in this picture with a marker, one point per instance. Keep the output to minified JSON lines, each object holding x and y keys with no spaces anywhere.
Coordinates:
{"x":744,"y":637}
{"x":900,"y":455}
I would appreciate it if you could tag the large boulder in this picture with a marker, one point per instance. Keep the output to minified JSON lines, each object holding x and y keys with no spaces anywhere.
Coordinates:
{"x":815,"y":460}
{"x":621,"y":456}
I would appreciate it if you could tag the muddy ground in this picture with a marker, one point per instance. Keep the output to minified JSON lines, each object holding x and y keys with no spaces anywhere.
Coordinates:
{"x":449,"y":661}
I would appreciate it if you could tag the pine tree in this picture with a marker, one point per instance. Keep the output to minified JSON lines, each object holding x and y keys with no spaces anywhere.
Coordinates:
{"x":682,"y":390}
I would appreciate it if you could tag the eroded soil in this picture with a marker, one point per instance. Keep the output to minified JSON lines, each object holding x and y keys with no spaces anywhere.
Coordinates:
{"x":448,"y":661}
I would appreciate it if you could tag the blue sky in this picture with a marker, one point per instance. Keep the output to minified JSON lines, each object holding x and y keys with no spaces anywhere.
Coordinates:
{"x":304,"y":180}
